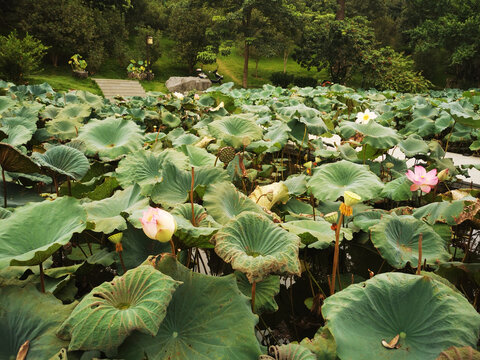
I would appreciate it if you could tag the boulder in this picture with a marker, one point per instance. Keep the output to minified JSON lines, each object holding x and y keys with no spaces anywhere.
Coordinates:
{"x":185,"y":84}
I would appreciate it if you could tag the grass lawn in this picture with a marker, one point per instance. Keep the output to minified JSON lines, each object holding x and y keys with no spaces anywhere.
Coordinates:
{"x":231,"y":67}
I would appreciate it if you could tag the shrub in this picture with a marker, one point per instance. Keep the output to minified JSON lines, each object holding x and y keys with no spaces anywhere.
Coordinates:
{"x":20,"y":57}
{"x":386,"y":69}
{"x":281,"y":79}
{"x":305,"y":81}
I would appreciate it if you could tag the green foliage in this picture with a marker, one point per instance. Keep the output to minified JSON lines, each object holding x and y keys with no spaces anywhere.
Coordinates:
{"x":20,"y":57}
{"x":305,"y":81}
{"x":385,"y":68}
{"x":336,"y":44}
{"x":281,"y":79}
{"x":77,"y":63}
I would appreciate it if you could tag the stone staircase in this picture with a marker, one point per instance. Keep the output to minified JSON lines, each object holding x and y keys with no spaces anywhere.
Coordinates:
{"x":115,"y":87}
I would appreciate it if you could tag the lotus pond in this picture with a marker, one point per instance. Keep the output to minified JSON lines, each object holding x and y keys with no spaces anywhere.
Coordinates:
{"x":285,"y":245}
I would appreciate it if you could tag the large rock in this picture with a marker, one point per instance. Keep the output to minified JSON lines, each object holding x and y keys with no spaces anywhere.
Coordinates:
{"x":185,"y":84}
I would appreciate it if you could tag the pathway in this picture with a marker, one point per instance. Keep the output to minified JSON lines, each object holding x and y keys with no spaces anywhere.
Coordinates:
{"x":226,"y":71}
{"x":114,"y":87}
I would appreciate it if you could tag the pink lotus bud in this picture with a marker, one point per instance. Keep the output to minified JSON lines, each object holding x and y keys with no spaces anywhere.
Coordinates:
{"x":158,"y":224}
{"x":196,"y":97}
{"x":443,"y":175}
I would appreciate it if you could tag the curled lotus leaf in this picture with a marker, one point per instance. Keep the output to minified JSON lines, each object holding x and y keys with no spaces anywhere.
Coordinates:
{"x":292,"y":352}
{"x":111,"y":138}
{"x":257,"y":247}
{"x":11,"y":159}
{"x":463,"y":353}
{"x":235,"y":131}
{"x":28,"y":315}
{"x":317,"y":234}
{"x":417,"y":308}
{"x":268,"y":195}
{"x":223,"y":202}
{"x":265,"y":292}
{"x":64,"y":160}
{"x":413,"y":145}
{"x":28,"y":237}
{"x":137,"y":300}
{"x":207,"y":319}
{"x":330,"y":181}
{"x":397,"y":238}
{"x":323,"y":344}
{"x":198,"y":235}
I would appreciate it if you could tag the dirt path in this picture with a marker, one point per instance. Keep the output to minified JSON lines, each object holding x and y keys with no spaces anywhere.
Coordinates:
{"x":224,"y":69}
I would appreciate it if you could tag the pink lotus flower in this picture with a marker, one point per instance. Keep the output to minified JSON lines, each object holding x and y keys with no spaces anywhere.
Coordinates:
{"x":422,"y":179}
{"x":158,"y":224}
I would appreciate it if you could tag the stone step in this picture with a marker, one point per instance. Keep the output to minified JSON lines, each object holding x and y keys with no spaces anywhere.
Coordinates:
{"x":117,"y":87}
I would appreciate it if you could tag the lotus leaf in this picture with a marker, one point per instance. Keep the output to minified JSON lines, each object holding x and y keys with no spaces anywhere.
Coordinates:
{"x":198,"y":157}
{"x":29,"y":238}
{"x":330,"y":181}
{"x":305,"y":115}
{"x":398,"y":189}
{"x":107,"y":215}
{"x":111,"y":138}
{"x":417,"y":308}
{"x":292,"y":352}
{"x":455,"y":353}
{"x":323,"y":344}
{"x":137,"y":300}
{"x":443,"y":211}
{"x":63,"y":160}
{"x":235,"y":131}
{"x":316,"y":234}
{"x":223,"y":202}
{"x":296,"y":184}
{"x":176,"y":184}
{"x":13,"y":160}
{"x":462,"y":114}
{"x":64,"y":128}
{"x":413,"y":145}
{"x":375,"y":135}
{"x":26,"y":314}
{"x":257,"y":247}
{"x":268,"y":195}
{"x":190,"y":235}
{"x":396,"y":238}
{"x":265,"y":292}
{"x":207,"y":319}
{"x":365,"y":220}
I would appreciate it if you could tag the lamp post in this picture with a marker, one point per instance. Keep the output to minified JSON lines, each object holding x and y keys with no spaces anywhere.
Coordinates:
{"x":149,"y":42}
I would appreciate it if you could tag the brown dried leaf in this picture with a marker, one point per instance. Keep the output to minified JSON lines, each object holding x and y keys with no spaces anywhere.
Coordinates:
{"x":393,"y":344}
{"x":22,"y":352}
{"x":469,"y":212}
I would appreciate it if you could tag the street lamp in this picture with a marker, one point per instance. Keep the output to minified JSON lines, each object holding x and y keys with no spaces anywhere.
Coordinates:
{"x":149,"y":42}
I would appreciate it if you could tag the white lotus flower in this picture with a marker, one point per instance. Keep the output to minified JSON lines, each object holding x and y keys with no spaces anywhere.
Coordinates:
{"x":365,"y":117}
{"x":178,"y":95}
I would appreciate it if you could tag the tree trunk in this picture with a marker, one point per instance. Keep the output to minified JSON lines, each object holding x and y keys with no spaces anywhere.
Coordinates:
{"x":340,"y":10}
{"x":285,"y":59}
{"x":256,"y":67}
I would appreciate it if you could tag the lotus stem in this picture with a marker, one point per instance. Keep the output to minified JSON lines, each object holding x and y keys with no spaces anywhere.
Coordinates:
{"x":4,"y":189}
{"x":55,"y":182}
{"x":449,"y":136}
{"x":194,"y":223}
{"x":69,"y":186}
{"x":336,"y":254}
{"x":172,"y":244}
{"x":312,"y":200}
{"x":189,"y":256}
{"x":419,"y":267}
{"x":121,"y":262}
{"x":254,"y":288}
{"x":42,"y":280}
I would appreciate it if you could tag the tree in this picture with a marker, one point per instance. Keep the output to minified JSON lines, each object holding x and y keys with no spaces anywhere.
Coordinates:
{"x":336,"y":44}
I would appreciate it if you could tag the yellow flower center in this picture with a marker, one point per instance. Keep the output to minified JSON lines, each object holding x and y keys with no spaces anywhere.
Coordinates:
{"x":366,"y":117}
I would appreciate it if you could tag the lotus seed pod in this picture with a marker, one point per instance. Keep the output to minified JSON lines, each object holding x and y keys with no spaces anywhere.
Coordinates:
{"x":350,"y":198}
{"x":226,"y":154}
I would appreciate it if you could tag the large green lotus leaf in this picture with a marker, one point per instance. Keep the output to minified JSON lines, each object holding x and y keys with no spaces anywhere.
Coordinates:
{"x":422,"y":126}
{"x":76,"y":111}
{"x":207,"y":319}
{"x":257,"y":247}
{"x":176,"y":183}
{"x":17,"y":135}
{"x":417,"y":308}
{"x":398,"y":189}
{"x":28,"y":237}
{"x":306,"y":115}
{"x":456,"y":272}
{"x":268,"y":195}
{"x":375,"y":135}
{"x":330,"y":181}
{"x":26,"y":122}
{"x":365,"y":220}
{"x":137,"y":300}
{"x":223,"y":202}
{"x":137,"y":247}
{"x":11,"y":159}
{"x":235,"y":131}
{"x":443,"y":211}
{"x":323,"y":344}
{"x":6,"y":102}
{"x":463,"y":115}
{"x":63,"y":160}
{"x":197,"y":156}
{"x":85,"y":97}
{"x":265,"y":292}
{"x":296,"y":184}
{"x":111,"y":138}
{"x":194,"y":236}
{"x":109,"y":214}
{"x":26,"y":314}
{"x":396,"y":238}
{"x":463,"y":353}
{"x":413,"y":145}
{"x":276,"y":135}
{"x":64,"y":129}
{"x":145,"y":168}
